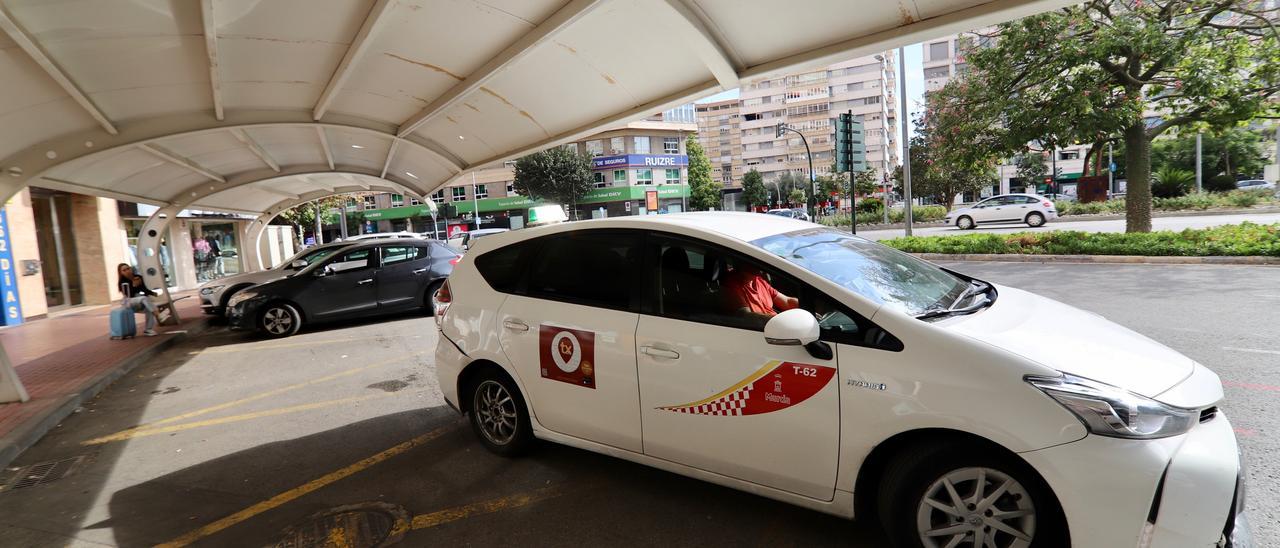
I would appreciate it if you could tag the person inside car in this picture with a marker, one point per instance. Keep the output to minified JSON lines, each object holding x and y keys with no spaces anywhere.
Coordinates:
{"x":748,"y":292}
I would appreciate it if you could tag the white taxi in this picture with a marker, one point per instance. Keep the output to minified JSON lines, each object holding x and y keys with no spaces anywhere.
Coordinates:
{"x":814,"y":367}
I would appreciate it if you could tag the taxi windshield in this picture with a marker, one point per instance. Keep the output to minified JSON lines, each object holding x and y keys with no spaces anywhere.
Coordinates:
{"x":882,"y":274}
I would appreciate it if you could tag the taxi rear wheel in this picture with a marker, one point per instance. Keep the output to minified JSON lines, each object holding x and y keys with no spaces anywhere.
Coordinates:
{"x":964,"y":222}
{"x":499,"y":416}
{"x":967,"y":494}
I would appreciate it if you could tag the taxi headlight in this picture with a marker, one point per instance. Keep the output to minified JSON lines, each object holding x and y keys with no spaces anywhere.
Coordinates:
{"x":1111,"y":411}
{"x":209,"y":290}
{"x":241,"y":297}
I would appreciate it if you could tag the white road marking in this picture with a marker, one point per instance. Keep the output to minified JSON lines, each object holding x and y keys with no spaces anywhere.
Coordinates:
{"x":1252,"y":350}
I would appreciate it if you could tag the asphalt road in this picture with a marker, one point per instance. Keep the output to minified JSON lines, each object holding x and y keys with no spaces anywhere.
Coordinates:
{"x":1113,"y":225}
{"x":230,"y":440}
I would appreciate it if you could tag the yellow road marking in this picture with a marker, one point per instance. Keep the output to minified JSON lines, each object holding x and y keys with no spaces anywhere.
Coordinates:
{"x":244,"y":348}
{"x":303,"y":489}
{"x":151,"y":431}
{"x":423,"y":521}
{"x":274,"y":392}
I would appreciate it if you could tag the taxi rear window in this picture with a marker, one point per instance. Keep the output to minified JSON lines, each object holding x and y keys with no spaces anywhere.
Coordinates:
{"x":501,"y":268}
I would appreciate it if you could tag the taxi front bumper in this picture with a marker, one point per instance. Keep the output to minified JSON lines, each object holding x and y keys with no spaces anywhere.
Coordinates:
{"x":1186,"y":490}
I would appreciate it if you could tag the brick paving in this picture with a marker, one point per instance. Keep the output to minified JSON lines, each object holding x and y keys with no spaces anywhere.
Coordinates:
{"x":59,"y":357}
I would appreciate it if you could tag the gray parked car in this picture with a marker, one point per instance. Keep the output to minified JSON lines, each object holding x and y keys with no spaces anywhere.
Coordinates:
{"x":366,"y":278}
{"x":215,"y":294}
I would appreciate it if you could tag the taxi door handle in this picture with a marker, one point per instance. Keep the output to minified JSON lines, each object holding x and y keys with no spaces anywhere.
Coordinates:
{"x":659,"y":352}
{"x":515,"y":325}
{"x":419,"y":271}
{"x":365,"y":281}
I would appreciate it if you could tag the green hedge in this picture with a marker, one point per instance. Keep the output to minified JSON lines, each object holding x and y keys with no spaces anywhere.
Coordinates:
{"x":1245,"y":239}
{"x":1196,"y":201}
{"x":921,"y":214}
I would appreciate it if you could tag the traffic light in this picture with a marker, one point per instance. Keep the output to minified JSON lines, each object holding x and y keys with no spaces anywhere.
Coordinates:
{"x":449,"y":211}
{"x":779,"y":130}
{"x":844,"y":143}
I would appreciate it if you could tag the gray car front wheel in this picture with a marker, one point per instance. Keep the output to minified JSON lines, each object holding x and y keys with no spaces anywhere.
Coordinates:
{"x":280,"y":320}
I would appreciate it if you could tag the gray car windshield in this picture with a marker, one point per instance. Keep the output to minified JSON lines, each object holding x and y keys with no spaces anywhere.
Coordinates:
{"x":312,"y":257}
{"x":882,"y":274}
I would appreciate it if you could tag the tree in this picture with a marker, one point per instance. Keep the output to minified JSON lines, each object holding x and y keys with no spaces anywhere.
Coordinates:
{"x":1233,"y":152}
{"x":558,"y":174}
{"x":753,"y":191}
{"x":795,"y":197}
{"x":1095,"y":71}
{"x":866,"y":181}
{"x":1031,"y":167}
{"x":953,"y":151}
{"x":704,"y":192}
{"x":303,"y":216}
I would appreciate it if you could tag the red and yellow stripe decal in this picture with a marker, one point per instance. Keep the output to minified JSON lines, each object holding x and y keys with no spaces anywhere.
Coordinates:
{"x":774,"y":387}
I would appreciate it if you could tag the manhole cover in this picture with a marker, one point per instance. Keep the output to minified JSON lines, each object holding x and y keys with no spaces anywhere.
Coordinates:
{"x":40,"y":473}
{"x":366,"y":525}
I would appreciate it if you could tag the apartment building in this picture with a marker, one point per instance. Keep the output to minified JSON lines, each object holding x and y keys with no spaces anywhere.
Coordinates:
{"x":739,"y":135}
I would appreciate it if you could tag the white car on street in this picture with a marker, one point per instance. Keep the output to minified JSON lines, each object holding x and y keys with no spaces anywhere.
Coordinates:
{"x":805,"y":364}
{"x":1031,"y":209}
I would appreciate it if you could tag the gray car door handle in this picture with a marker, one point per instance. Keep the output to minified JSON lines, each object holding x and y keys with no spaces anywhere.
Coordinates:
{"x":659,"y":352}
{"x":365,"y":281}
{"x":515,"y":325}
{"x":419,"y":271}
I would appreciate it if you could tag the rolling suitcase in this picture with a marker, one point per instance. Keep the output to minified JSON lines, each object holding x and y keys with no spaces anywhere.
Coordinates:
{"x":123,"y":324}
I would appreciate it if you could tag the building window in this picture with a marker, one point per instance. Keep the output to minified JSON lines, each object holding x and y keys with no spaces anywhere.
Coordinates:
{"x":873,"y":100}
{"x":369,"y":202}
{"x":937,"y":72}
{"x":595,"y":148}
{"x":1068,"y":155}
{"x":598,"y":178}
{"x":641,"y":144}
{"x":616,"y":146}
{"x":673,"y":176}
{"x":438,"y":197}
{"x":351,"y":204}
{"x":509,"y":163}
{"x":938,"y":50}
{"x":619,"y":176}
{"x":397,"y":200}
{"x":671,"y":145}
{"x":482,"y":191}
{"x":414,"y":201}
{"x":644,"y":176}
{"x":511,"y":189}
{"x":459,"y":193}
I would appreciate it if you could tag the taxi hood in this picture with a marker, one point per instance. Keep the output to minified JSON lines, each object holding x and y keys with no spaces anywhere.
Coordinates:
{"x":1074,"y":341}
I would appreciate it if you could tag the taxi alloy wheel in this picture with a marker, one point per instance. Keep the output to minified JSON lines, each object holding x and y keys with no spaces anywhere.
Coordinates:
{"x":964,"y":222}
{"x":976,"y":506}
{"x":499,"y":416}
{"x":280,"y":320}
{"x":1035,"y":219}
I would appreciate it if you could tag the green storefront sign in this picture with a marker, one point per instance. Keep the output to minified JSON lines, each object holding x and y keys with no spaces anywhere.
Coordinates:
{"x":489,"y":205}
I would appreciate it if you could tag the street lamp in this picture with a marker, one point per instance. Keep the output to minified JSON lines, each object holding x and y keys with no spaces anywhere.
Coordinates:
{"x":813,"y":180}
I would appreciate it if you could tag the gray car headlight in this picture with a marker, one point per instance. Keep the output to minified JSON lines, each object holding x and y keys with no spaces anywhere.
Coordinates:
{"x":1111,"y":411}
{"x":241,"y":297}
{"x":211,"y":289}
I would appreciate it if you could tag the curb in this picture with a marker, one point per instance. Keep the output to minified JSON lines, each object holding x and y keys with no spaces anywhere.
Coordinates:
{"x":1102,"y":259}
{"x":13,"y":444}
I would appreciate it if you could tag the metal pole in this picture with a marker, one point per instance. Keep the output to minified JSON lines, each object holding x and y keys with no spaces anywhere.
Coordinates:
{"x":342,"y":222}
{"x":1199,"y":171}
{"x":1111,"y":172}
{"x":475,"y":203}
{"x":906,"y":146}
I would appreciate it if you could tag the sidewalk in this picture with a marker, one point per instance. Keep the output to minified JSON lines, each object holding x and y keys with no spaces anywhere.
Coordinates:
{"x":67,"y":359}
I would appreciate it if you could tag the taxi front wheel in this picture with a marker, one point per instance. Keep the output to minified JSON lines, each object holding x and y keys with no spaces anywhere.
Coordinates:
{"x":499,"y":416}
{"x":968,"y":494}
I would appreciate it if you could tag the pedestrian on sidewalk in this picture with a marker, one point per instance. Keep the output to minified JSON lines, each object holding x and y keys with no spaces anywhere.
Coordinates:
{"x":139,"y":297}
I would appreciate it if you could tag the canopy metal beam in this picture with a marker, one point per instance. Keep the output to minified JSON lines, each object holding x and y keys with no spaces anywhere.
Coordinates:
{"x":180,"y":161}
{"x":324,"y":146}
{"x":211,"y":49}
{"x":257,"y":150}
{"x":355,"y":51}
{"x":704,"y":44}
{"x":540,"y":34}
{"x":37,"y":54}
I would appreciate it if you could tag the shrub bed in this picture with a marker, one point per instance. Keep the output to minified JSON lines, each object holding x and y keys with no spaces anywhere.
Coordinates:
{"x":1245,"y":239}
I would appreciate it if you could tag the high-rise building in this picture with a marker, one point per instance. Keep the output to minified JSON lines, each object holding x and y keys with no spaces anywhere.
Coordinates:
{"x":740,"y":134}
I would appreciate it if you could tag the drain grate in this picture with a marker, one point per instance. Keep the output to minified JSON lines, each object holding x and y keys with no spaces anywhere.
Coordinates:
{"x":366,"y":525}
{"x":40,"y":473}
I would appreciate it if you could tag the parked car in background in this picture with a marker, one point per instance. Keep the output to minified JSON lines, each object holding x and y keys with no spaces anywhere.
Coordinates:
{"x":367,"y":278}
{"x":215,"y":294}
{"x":791,"y":213}
{"x":463,"y":241}
{"x":378,"y":235}
{"x":1032,"y":209}
{"x":1251,"y":184}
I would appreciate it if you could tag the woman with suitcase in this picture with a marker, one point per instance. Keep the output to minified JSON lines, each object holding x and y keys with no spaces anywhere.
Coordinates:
{"x":137,"y":296}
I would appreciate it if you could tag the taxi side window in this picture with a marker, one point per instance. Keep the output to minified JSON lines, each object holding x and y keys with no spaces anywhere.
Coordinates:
{"x":351,"y":260}
{"x":593,"y":268}
{"x":840,"y":325}
{"x":701,"y":283}
{"x":503,"y":268}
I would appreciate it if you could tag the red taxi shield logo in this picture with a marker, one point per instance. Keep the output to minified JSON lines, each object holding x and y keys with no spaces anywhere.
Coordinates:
{"x":567,"y":355}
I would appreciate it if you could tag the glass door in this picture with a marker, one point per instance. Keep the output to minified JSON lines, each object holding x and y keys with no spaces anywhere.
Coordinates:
{"x":61,"y":270}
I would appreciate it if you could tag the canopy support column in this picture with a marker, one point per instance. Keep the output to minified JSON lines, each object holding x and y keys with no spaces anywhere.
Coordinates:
{"x":253,"y":240}
{"x":11,"y":389}
{"x":150,"y":265}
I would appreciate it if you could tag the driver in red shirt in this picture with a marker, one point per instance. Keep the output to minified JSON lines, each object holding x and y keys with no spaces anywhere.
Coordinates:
{"x":747,"y":291}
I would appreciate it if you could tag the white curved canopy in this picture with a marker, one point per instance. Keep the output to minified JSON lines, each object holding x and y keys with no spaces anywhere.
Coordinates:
{"x":241,"y":104}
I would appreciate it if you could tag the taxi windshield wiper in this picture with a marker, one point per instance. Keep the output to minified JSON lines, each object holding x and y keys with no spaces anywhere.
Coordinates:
{"x":975,"y":286}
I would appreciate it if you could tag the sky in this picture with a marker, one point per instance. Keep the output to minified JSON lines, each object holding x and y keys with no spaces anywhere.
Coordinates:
{"x":915,"y":86}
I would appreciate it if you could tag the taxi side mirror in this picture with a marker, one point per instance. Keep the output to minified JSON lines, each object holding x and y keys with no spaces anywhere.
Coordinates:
{"x":795,"y":327}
